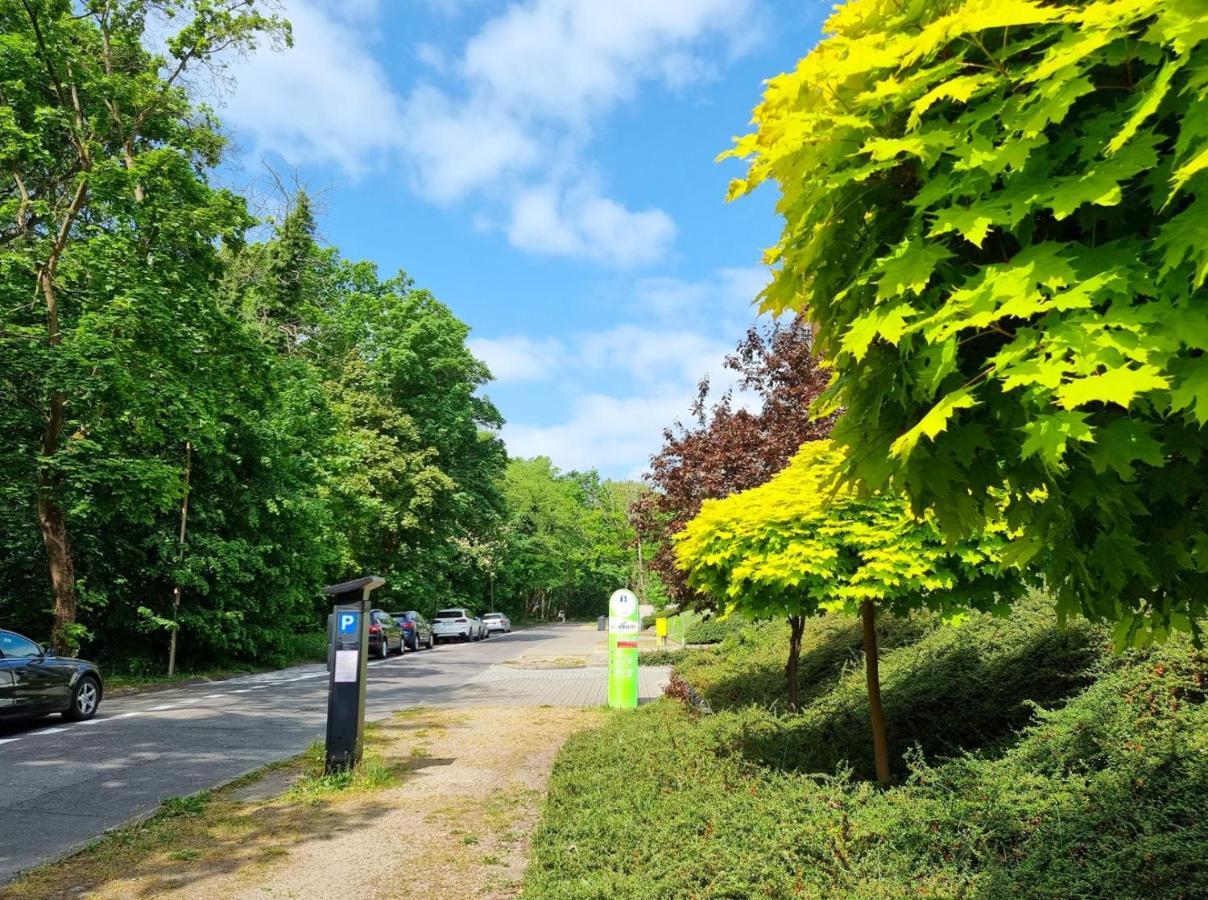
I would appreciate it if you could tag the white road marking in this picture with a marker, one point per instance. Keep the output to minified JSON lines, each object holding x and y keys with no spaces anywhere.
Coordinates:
{"x":10,"y":740}
{"x":164,"y":708}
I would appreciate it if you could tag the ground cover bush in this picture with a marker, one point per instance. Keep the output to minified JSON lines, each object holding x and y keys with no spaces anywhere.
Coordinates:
{"x":1029,"y":761}
{"x":709,"y":631}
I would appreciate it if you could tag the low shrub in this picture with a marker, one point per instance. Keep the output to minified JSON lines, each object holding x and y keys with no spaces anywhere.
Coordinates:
{"x":709,"y":631}
{"x":663,"y":657}
{"x":1030,"y":762}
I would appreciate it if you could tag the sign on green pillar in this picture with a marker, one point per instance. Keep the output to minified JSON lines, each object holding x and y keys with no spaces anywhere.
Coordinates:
{"x":624,"y":624}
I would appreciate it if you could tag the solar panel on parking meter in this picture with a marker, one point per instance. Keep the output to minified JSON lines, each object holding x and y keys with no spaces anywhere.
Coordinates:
{"x":348,"y":633}
{"x":624,"y":624}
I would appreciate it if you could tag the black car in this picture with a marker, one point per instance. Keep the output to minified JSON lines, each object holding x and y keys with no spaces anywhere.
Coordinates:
{"x":35,"y":682}
{"x":417,"y":631}
{"x":385,"y":635}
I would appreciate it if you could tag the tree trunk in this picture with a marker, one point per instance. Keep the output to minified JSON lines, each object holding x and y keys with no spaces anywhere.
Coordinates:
{"x":880,"y":744}
{"x":796,"y":629}
{"x":54,"y":530}
{"x":641,"y":572}
{"x":62,"y":569}
{"x":50,"y":513}
{"x":180,"y":558}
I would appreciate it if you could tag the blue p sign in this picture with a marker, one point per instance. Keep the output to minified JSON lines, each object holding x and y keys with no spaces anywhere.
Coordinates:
{"x":347,"y":623}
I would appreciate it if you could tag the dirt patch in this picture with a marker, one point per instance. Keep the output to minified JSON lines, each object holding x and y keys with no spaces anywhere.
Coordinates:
{"x":445,"y":810}
{"x":547,"y":662}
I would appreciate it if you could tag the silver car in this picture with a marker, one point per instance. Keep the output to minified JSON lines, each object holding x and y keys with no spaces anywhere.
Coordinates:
{"x":497,"y":622}
{"x":457,"y":624}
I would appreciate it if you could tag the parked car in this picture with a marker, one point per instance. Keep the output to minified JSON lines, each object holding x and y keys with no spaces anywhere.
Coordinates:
{"x":385,"y":634}
{"x":459,"y":624}
{"x":497,"y":622}
{"x":417,"y":631}
{"x":35,"y":682}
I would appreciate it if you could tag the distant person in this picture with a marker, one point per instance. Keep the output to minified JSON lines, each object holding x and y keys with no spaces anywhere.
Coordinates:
{"x":561,"y":615}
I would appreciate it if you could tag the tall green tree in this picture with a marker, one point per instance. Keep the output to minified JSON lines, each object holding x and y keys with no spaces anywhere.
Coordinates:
{"x":566,"y":542}
{"x":411,"y":466}
{"x":110,"y":230}
{"x":994,"y":215}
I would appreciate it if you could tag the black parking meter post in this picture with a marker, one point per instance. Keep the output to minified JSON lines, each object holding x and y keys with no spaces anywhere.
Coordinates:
{"x":348,"y":631}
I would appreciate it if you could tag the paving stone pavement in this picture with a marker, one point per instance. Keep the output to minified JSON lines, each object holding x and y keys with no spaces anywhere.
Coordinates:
{"x":583,"y":686}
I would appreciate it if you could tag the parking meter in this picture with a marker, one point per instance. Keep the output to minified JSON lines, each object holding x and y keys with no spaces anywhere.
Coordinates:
{"x":624,"y":623}
{"x":348,"y":632}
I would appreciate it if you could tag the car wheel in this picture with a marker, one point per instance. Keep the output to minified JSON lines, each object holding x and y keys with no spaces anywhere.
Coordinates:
{"x":85,"y":699}
{"x":431,"y":642}
{"x":385,"y":650}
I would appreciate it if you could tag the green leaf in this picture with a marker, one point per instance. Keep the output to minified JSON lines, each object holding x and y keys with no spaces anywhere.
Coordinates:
{"x":1147,"y":105}
{"x":1182,"y":238}
{"x":1190,"y":389}
{"x":1121,"y":443}
{"x":934,"y":422}
{"x":910,"y":268}
{"x":1119,"y":386}
{"x":1049,"y":435}
{"x":1187,"y":170}
{"x":959,"y":89}
{"x":888,"y":323}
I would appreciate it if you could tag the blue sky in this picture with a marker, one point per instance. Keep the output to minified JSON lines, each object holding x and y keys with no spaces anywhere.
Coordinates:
{"x":546,"y":168}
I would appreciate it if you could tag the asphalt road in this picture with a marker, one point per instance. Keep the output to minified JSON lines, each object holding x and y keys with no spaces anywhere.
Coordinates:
{"x":63,"y":784}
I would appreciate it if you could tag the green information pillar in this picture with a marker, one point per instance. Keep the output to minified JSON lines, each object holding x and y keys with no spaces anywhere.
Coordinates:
{"x":624,"y":624}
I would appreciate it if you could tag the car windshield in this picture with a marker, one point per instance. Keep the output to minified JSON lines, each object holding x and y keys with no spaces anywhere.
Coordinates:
{"x":450,"y":614}
{"x":493,"y":616}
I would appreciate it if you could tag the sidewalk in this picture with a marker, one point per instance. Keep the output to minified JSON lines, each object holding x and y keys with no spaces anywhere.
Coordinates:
{"x":459,"y":789}
{"x":571,"y":670}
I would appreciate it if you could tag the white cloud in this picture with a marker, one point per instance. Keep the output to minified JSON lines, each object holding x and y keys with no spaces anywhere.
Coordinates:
{"x":727,"y":296}
{"x":519,"y":358}
{"x":456,"y":151}
{"x":582,"y":223}
{"x":505,"y":124}
{"x":624,"y":431}
{"x":653,"y":355}
{"x":531,"y":86}
{"x":653,"y":371}
{"x":569,"y":59}
{"x":324,"y":101}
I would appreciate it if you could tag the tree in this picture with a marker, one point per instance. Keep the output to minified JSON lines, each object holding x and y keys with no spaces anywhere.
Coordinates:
{"x":731,"y":449}
{"x":564,"y":542}
{"x":804,"y":543}
{"x":101,"y":147}
{"x":994,"y":221}
{"x":411,"y":468}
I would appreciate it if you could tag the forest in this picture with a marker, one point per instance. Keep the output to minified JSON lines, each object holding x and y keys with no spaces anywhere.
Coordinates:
{"x":207,"y":415}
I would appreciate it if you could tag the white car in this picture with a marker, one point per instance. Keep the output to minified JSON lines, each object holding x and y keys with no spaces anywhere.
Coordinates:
{"x":457,"y":624}
{"x":497,"y":622}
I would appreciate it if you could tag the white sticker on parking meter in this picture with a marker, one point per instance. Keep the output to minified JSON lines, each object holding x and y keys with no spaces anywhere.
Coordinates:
{"x":346,"y":665}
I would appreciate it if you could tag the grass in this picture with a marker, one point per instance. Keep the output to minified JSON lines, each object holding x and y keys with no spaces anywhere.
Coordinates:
{"x":301,"y":649}
{"x":1028,"y":762}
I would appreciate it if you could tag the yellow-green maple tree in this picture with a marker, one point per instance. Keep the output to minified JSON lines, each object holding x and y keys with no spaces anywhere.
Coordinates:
{"x":805,"y":543}
{"x":995,"y":220}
